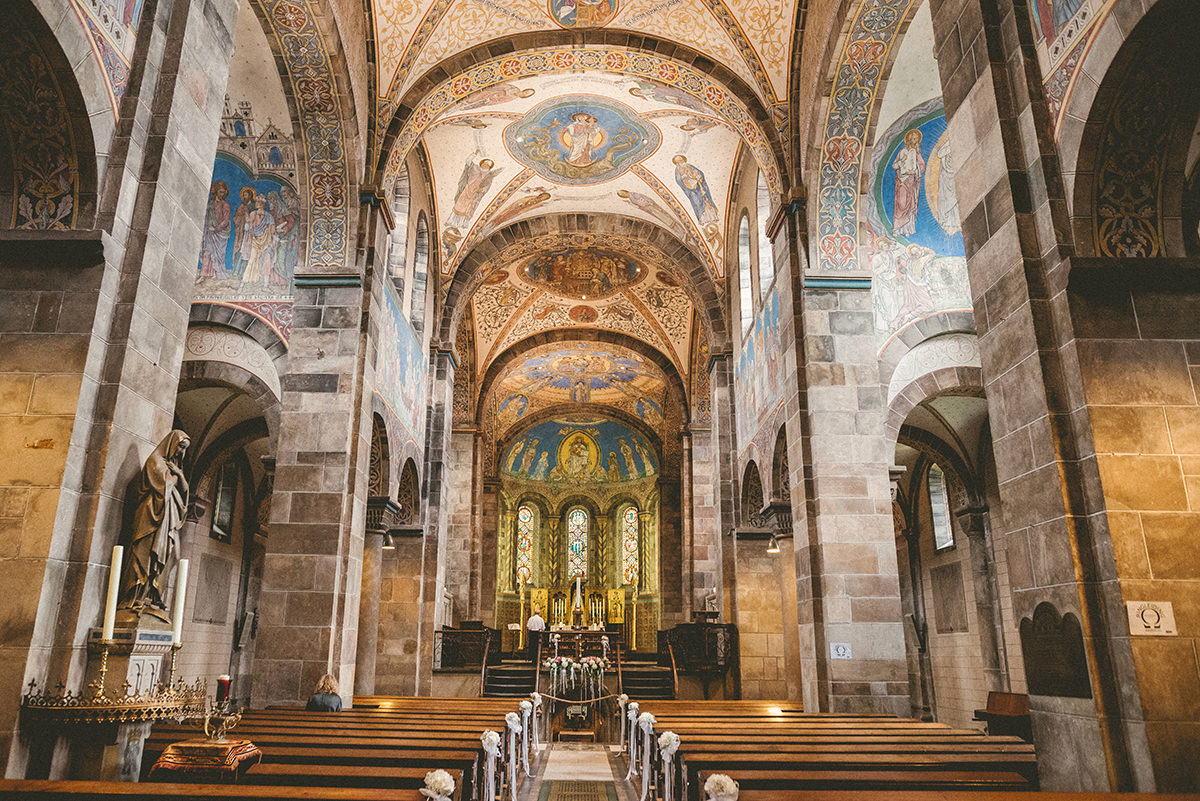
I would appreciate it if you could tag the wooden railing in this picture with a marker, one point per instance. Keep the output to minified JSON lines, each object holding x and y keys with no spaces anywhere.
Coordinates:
{"x":464,"y":648}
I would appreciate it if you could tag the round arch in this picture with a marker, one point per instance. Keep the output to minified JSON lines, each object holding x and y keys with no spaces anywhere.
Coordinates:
{"x":698,"y":280}
{"x":473,"y":69}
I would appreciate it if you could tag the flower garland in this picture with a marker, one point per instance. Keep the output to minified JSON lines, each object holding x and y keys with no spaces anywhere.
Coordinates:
{"x":564,"y":673}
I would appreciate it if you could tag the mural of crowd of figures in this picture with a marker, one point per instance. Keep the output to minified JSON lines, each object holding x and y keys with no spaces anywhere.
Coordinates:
{"x":913,"y":238}
{"x":251,"y":243}
{"x":756,"y":378}
{"x":580,"y":449}
{"x":400,"y":369}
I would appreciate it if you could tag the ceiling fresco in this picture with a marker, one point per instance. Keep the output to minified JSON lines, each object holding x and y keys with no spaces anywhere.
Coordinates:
{"x":751,"y":37}
{"x":580,"y":372}
{"x":595,"y":142}
{"x":593,"y":281}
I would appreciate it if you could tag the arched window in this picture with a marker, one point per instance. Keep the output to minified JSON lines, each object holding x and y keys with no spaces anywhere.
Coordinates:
{"x":629,"y":545}
{"x":939,"y":506}
{"x":398,"y":250}
{"x":524,"y":544}
{"x":275,"y":156}
{"x":577,"y":542}
{"x":766,"y":252}
{"x":420,"y":274}
{"x":744,"y":288}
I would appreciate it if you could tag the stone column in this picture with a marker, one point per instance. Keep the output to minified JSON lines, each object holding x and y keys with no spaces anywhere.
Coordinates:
{"x":1054,"y":534}
{"x":437,"y":448}
{"x":686,"y":534}
{"x":724,"y":457}
{"x":368,"y":615}
{"x":91,"y":336}
{"x":975,"y":523}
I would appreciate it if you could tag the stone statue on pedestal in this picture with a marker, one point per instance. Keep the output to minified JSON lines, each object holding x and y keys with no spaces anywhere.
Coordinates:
{"x":161,"y":492}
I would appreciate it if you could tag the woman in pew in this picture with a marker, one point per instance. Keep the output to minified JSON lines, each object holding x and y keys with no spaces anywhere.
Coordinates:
{"x":325,"y":697}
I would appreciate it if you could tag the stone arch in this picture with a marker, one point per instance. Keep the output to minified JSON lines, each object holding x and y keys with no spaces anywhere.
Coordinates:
{"x":675,"y":386}
{"x":196,"y":373}
{"x":781,"y":488}
{"x":898,"y":346}
{"x":318,"y":90}
{"x":272,"y":334}
{"x":867,"y":44}
{"x":476,"y":265}
{"x":420,"y":272}
{"x":1128,"y":189}
{"x":408,"y":494}
{"x":379,"y":480}
{"x":449,"y":81}
{"x":752,"y":493}
{"x":48,"y":163}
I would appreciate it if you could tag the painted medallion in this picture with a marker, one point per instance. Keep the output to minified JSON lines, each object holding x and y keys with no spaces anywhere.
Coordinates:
{"x":582,"y":13}
{"x":581,"y":139}
{"x":582,"y":273}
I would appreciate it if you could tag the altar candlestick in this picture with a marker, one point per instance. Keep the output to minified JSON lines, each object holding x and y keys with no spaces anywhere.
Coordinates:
{"x":180,"y":597}
{"x":114,"y":590}
{"x":578,"y":594}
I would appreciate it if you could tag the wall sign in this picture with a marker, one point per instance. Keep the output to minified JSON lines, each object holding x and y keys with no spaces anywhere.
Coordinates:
{"x":840,"y":650}
{"x":1151,"y":618}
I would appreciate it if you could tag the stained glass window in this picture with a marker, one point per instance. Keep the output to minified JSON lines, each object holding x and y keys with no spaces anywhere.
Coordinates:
{"x":524,"y":544}
{"x":577,"y":542}
{"x":629,"y":545}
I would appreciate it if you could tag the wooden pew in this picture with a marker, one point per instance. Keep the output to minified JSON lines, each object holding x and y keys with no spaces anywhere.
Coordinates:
{"x":25,"y":790}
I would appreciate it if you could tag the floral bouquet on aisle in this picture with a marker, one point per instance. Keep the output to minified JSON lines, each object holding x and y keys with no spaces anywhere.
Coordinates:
{"x":593,"y":668}
{"x":564,"y":673}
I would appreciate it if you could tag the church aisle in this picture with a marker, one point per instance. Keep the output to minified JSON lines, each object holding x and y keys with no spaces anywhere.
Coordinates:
{"x":578,"y":772}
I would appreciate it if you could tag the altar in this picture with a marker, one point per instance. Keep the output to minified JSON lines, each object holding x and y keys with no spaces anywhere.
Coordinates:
{"x":578,"y":643}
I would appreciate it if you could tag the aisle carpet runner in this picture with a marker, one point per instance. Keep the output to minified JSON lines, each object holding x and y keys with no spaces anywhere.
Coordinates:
{"x":577,"y":791}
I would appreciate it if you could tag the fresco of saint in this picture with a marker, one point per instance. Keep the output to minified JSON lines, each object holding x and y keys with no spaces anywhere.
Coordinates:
{"x":473,"y":184}
{"x":216,"y":233}
{"x":582,"y":137}
{"x":693,"y":183}
{"x":909,"y":165}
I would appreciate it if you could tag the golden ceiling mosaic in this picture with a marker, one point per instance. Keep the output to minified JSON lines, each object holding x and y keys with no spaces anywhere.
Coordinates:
{"x":595,"y":281}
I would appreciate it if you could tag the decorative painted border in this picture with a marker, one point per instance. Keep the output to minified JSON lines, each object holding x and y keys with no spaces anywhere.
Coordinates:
{"x":542,"y":62}
{"x":725,"y":17}
{"x":693,"y":237}
{"x":114,"y":64}
{"x":275,"y":314}
{"x":856,"y":85}
{"x":310,"y":71}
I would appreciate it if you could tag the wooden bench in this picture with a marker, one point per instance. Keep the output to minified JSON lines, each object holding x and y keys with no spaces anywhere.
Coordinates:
{"x":1007,"y":713}
{"x":24,"y":790}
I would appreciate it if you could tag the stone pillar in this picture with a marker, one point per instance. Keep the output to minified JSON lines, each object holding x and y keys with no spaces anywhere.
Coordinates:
{"x":686,"y":534}
{"x":924,"y":704}
{"x":368,"y":615}
{"x":1054,"y":533}
{"x":437,"y":448}
{"x":91,"y":338}
{"x":724,"y":457}
{"x":312,"y":569}
{"x":975,"y":523}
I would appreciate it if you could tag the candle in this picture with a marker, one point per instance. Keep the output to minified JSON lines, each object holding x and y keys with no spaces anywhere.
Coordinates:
{"x":180,"y":596}
{"x":114,"y":590}
{"x":222,"y":687}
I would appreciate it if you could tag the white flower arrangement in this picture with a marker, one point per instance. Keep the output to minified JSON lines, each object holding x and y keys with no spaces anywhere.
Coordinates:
{"x":668,"y":744}
{"x":513,"y":720}
{"x":623,"y":698}
{"x":526,"y":708}
{"x":536,"y":697}
{"x":646,"y":721}
{"x":439,"y":785}
{"x":720,"y":787}
{"x":632,"y":710}
{"x":491,"y":741}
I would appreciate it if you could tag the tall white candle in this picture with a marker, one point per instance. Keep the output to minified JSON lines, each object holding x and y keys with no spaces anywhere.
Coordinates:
{"x":114,"y":590}
{"x":180,"y":597}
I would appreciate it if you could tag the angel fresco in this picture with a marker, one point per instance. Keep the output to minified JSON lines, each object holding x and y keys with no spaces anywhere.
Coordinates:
{"x":473,"y":184}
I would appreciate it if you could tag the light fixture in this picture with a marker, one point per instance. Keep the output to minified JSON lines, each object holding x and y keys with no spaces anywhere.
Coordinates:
{"x":773,"y":545}
{"x":388,"y":545}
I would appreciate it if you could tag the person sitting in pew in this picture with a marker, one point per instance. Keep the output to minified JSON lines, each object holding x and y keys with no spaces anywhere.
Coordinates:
{"x":325,"y":697}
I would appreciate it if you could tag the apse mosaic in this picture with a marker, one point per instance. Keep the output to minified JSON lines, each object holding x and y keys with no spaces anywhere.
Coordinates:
{"x":757,"y":379}
{"x":580,"y":372}
{"x":580,"y":449}
{"x":914,"y":242}
{"x":400,"y":369}
{"x":543,"y":281}
{"x":111,"y":27}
